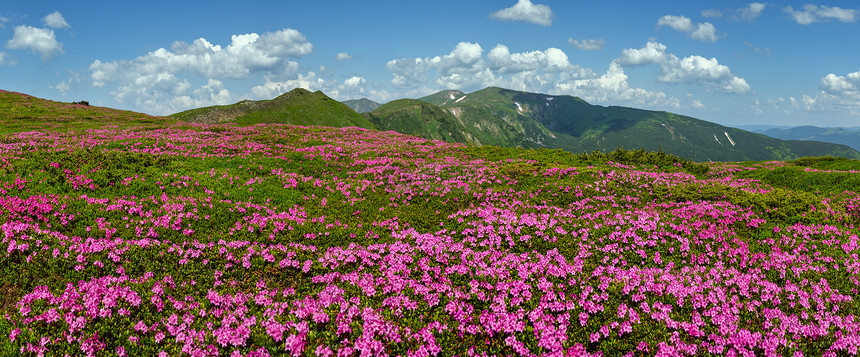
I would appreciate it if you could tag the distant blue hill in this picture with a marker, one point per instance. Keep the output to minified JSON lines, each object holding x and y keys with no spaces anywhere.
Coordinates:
{"x":845,"y":136}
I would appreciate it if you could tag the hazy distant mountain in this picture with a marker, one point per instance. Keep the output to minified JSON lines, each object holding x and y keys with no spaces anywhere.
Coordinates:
{"x":845,"y":136}
{"x":362,"y":105}
{"x":297,"y":107}
{"x":504,"y":117}
{"x":758,"y":128}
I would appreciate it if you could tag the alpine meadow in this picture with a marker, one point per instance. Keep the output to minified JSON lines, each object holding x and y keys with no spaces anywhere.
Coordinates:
{"x":417,"y":179}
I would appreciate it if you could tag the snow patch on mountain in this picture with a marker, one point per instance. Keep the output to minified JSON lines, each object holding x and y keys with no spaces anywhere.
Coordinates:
{"x":729,"y":137}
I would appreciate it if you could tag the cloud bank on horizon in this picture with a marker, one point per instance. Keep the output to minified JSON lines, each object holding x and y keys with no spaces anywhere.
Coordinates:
{"x":687,"y":71}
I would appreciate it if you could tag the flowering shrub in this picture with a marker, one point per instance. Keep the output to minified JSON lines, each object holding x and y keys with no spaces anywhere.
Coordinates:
{"x":281,"y":240}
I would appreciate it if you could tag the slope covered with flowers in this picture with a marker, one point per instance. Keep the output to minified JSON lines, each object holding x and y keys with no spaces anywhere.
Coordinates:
{"x":282,"y":240}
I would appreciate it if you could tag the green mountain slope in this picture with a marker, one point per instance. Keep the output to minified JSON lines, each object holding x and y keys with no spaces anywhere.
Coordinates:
{"x":504,"y":117}
{"x":362,"y":105}
{"x":297,"y":107}
{"x":21,"y":112}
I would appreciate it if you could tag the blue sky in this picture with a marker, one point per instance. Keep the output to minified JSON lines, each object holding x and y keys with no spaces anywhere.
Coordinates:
{"x":730,"y":62}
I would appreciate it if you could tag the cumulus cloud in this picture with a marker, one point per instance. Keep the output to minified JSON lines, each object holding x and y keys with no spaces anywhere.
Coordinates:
{"x":551,"y":60}
{"x":840,"y":84}
{"x":466,"y":68}
{"x":587,"y":45}
{"x":653,"y":52}
{"x":166,"y":71}
{"x":526,"y":11}
{"x":750,"y":12}
{"x":39,"y":40}
{"x":814,"y":13}
{"x":836,"y":92}
{"x":161,"y":80}
{"x":692,"y":69}
{"x":705,"y":32}
{"x":612,"y":86}
{"x":343,"y":56}
{"x":460,"y":67}
{"x":246,"y":54}
{"x":55,"y":20}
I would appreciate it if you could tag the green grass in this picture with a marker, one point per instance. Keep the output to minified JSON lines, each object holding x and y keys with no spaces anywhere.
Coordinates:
{"x":21,"y":113}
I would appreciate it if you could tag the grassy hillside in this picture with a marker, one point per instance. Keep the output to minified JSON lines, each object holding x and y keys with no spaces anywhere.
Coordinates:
{"x":297,"y":107}
{"x":463,"y":125}
{"x":572,"y":124}
{"x":22,"y":112}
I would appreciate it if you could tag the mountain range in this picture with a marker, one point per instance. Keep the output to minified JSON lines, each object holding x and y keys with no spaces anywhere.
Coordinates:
{"x":846,"y":136}
{"x":496,"y":116}
{"x":491,"y":116}
{"x":509,"y":118}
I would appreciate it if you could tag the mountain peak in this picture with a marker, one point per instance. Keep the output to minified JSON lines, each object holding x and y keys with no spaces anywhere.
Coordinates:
{"x":297,"y":107}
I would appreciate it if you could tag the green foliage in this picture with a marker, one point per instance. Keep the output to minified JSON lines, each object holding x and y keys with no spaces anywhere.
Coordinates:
{"x":827,"y":163}
{"x":801,"y":179}
{"x":642,"y":157}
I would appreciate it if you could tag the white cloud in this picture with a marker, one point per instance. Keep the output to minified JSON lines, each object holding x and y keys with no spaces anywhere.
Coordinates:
{"x":354,"y":82}
{"x":836,"y":92}
{"x":408,"y":73}
{"x":587,"y":45}
{"x":705,"y":32}
{"x":37,"y":39}
{"x":612,"y":86}
{"x":3,"y":21}
{"x":692,"y":69}
{"x":839,"y":85}
{"x":64,"y":87}
{"x":813,"y":13}
{"x":55,"y":20}
{"x":750,"y":12}
{"x":160,"y":79}
{"x":6,"y":60}
{"x":551,"y":60}
{"x":680,"y":23}
{"x":271,"y":89}
{"x":343,"y":56}
{"x":695,"y":103}
{"x":709,"y":13}
{"x":211,"y":93}
{"x":465,"y":68}
{"x":653,"y":52}
{"x":526,"y":11}
{"x":460,"y":67}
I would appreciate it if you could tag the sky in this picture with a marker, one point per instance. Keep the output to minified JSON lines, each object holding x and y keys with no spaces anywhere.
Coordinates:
{"x":730,"y":62}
